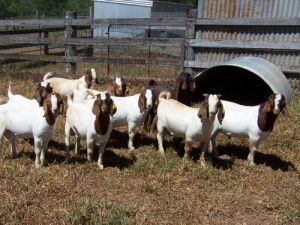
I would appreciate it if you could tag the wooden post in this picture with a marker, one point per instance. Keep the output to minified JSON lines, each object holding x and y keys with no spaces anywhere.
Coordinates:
{"x":189,"y":52}
{"x":90,"y":51}
{"x":70,"y":50}
{"x":45,"y":35}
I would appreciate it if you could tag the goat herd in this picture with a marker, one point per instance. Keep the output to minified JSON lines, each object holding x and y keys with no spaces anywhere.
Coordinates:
{"x":92,"y":114}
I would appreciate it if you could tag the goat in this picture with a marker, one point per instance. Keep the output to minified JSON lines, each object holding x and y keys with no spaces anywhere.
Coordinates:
{"x":182,"y":93}
{"x":119,"y":87}
{"x":65,"y":87}
{"x":193,"y":124}
{"x":92,"y":123}
{"x":132,"y":111}
{"x":24,"y":117}
{"x":254,"y":122}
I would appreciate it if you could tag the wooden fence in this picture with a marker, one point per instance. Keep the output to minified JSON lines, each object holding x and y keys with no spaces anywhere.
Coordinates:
{"x":189,"y":44}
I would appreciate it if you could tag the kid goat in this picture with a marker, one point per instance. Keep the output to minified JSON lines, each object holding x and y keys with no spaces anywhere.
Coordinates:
{"x":25,"y":118}
{"x":254,"y":122}
{"x":193,"y":124}
{"x":65,"y":87}
{"x":90,"y":120}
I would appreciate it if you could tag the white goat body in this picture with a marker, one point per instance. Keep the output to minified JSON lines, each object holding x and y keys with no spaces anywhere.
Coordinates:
{"x":65,"y":87}
{"x":82,"y":120}
{"x":23,"y":117}
{"x":244,"y":121}
{"x":193,"y":124}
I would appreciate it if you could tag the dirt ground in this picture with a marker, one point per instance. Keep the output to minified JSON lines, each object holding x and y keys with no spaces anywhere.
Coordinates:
{"x":143,"y":188}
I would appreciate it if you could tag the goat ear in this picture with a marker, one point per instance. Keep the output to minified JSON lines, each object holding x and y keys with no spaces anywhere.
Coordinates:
{"x":96,"y":108}
{"x":221,"y":113}
{"x":45,"y":108}
{"x":203,"y":111}
{"x":269,"y":104}
{"x":193,"y":86}
{"x":38,"y":97}
{"x":142,"y":101}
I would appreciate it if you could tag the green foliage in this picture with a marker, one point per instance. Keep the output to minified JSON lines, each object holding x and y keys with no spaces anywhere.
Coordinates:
{"x":29,"y":8}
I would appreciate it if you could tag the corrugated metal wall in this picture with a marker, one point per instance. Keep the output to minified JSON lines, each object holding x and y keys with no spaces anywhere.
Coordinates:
{"x":249,"y":9}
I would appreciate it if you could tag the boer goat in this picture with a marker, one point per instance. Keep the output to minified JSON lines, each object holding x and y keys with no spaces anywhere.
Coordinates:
{"x":25,"y":118}
{"x":65,"y":87}
{"x":132,"y":111}
{"x":185,"y":86}
{"x":119,"y":87}
{"x":90,"y":120}
{"x":254,"y":122}
{"x":193,"y":124}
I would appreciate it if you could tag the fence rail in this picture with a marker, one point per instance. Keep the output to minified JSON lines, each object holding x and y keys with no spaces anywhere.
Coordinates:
{"x":191,"y":45}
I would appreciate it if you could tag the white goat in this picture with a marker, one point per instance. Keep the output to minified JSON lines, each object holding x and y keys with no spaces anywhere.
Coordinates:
{"x":92,"y":123}
{"x":132,"y":111}
{"x":65,"y":87}
{"x":25,"y":118}
{"x":193,"y":124}
{"x":253,"y":122}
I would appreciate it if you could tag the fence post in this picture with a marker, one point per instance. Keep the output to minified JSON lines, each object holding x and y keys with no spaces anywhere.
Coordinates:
{"x":189,"y":52}
{"x":45,"y":35}
{"x":70,"y":50}
{"x":90,"y":51}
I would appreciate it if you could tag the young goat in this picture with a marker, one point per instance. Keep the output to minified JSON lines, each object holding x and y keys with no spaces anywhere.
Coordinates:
{"x":254,"y":122}
{"x":132,"y":111}
{"x":193,"y":124}
{"x":92,"y":123}
{"x":65,"y":87}
{"x":185,"y":86}
{"x":25,"y":118}
{"x":119,"y":87}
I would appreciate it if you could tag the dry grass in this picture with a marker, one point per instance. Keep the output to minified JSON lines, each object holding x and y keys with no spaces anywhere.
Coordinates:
{"x":146,"y":189}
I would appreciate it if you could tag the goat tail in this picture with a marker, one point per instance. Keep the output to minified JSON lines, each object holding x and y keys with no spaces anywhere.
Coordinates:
{"x":47,"y":75}
{"x":165,"y":95}
{"x":9,"y":93}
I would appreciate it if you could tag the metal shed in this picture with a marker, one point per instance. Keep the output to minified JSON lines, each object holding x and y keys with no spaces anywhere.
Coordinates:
{"x":114,"y":9}
{"x":245,"y":80}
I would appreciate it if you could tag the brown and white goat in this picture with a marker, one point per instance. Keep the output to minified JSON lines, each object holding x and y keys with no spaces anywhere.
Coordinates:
{"x":25,"y":118}
{"x":90,"y":120}
{"x":193,"y":124}
{"x":253,"y":122}
{"x":185,"y":86}
{"x":65,"y":87}
{"x":119,"y":87}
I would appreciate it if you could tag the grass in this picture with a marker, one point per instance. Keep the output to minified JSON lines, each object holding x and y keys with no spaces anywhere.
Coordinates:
{"x":144,"y":188}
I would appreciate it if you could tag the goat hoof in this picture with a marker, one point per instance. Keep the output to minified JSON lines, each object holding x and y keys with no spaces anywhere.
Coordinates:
{"x":252,"y":163}
{"x":162,"y":153}
{"x":101,"y":167}
{"x":131,"y":149}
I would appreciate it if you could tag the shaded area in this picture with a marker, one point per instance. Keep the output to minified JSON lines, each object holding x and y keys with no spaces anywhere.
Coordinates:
{"x":234,"y":84}
{"x":260,"y":158}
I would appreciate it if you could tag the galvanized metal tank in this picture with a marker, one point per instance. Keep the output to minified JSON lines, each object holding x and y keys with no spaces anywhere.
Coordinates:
{"x":245,"y":80}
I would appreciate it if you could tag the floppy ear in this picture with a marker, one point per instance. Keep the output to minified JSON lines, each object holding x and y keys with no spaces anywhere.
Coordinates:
{"x":88,"y":78}
{"x":142,"y":101}
{"x":96,"y":108}
{"x":38,"y":97}
{"x":221,"y":113}
{"x":269,"y":104}
{"x":193,"y":86}
{"x":46,"y":107}
{"x":203,"y":111}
